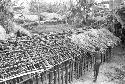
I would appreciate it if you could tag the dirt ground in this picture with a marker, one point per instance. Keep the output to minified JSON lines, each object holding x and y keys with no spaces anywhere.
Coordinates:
{"x":112,"y":72}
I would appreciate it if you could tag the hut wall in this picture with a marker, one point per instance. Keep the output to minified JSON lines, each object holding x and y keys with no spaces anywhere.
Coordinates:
{"x":63,"y":73}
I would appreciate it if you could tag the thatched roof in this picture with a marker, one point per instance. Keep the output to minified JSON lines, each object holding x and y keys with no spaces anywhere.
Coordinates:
{"x":95,"y":38}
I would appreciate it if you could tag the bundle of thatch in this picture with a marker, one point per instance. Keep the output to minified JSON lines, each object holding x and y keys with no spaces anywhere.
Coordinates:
{"x":95,"y":39}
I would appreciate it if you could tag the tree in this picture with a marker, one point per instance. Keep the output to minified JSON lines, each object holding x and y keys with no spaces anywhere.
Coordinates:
{"x":7,"y":19}
{"x":35,"y":8}
{"x":79,"y":12}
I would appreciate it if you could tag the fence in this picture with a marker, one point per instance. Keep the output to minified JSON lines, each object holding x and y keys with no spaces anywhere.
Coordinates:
{"x":63,"y":73}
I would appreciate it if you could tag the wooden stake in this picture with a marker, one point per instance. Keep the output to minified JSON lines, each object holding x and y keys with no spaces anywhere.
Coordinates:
{"x":66,"y":74}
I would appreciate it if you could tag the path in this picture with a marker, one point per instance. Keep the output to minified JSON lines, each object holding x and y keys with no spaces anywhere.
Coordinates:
{"x":112,"y":72}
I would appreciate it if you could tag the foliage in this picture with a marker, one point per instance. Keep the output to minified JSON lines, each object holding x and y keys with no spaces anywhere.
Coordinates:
{"x":79,"y":12}
{"x":6,"y":14}
{"x":7,"y":19}
{"x":34,"y":7}
{"x":46,"y":7}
